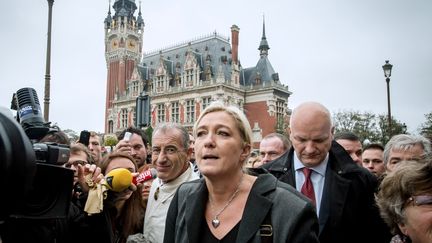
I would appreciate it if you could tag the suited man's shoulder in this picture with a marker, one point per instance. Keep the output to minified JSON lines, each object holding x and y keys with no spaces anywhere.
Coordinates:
{"x":342,"y":164}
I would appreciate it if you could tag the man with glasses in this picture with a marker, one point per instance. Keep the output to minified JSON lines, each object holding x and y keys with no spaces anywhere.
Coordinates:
{"x":79,"y":156}
{"x":171,"y":153}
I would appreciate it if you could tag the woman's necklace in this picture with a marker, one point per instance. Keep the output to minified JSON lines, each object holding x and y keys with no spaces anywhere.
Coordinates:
{"x":216,"y":222}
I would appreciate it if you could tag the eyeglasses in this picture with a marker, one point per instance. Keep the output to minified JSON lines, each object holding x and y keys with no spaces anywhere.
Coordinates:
{"x":75,"y":163}
{"x":421,"y":200}
{"x":167,"y":151}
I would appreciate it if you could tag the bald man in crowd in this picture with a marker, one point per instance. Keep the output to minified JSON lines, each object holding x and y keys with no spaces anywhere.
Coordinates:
{"x":320,"y":168}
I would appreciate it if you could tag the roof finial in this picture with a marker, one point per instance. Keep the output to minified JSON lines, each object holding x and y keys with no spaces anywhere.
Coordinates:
{"x":139,"y":8}
{"x":109,"y":7}
{"x":263,"y":47}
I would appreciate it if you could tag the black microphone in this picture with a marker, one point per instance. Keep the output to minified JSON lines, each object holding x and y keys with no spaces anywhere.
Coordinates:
{"x":30,"y":113}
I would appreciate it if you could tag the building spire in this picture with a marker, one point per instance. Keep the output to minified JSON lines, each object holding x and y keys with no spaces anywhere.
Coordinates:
{"x":108,"y":18}
{"x":263,"y":47}
{"x":140,"y":20}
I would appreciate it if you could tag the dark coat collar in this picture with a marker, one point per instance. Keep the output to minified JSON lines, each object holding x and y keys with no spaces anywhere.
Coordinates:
{"x":339,"y":161}
{"x":257,"y":206}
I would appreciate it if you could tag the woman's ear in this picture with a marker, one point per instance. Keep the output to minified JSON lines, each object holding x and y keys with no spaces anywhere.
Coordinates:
{"x":403,"y":228}
{"x":245,"y":153}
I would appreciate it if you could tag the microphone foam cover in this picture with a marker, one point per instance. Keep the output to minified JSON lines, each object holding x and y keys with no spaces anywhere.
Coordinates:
{"x":118,"y":179}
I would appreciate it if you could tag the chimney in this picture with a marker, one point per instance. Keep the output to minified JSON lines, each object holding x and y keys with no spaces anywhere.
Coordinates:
{"x":234,"y":43}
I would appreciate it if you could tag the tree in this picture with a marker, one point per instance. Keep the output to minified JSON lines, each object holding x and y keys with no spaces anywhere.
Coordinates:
{"x":367,"y":125}
{"x":362,"y":124}
{"x":149,"y":132}
{"x":111,"y":141}
{"x":426,"y":127}
{"x":73,"y":136}
{"x":397,"y":128}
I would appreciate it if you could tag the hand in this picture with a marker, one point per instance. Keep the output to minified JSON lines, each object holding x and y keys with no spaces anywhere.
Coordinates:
{"x":123,"y":146}
{"x":88,"y":169}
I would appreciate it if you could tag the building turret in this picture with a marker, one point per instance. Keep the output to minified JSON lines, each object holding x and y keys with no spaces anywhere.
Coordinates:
{"x":108,"y":19}
{"x":140,"y":21}
{"x":124,"y":8}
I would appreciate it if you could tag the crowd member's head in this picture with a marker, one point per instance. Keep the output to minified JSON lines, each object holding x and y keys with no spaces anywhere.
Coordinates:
{"x":273,"y":146}
{"x":126,"y":205}
{"x":171,"y":150}
{"x":95,"y":147}
{"x":405,"y":200}
{"x":256,"y":162}
{"x":405,"y":147}
{"x":192,"y":146}
{"x":373,"y":158}
{"x":55,"y":135}
{"x":145,"y":189}
{"x":79,"y":155}
{"x":311,"y":133}
{"x":351,"y":144}
{"x":136,"y":146}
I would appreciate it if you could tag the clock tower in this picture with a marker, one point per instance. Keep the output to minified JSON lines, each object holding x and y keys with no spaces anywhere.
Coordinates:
{"x":123,"y":50}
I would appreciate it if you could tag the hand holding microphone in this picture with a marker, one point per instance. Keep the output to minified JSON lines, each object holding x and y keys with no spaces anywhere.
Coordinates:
{"x":121,"y":179}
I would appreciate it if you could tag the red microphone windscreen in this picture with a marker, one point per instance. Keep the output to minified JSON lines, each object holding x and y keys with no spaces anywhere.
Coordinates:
{"x":145,"y":176}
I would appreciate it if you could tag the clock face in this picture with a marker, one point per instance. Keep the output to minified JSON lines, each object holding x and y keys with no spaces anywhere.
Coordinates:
{"x":132,"y":45}
{"x":114,"y":44}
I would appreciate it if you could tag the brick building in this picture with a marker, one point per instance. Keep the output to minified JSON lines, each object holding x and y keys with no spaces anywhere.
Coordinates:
{"x":183,"y":79}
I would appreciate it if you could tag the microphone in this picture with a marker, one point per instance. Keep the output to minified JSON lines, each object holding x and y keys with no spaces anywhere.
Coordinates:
{"x":145,"y":176}
{"x":29,"y":113}
{"x":120,"y":179}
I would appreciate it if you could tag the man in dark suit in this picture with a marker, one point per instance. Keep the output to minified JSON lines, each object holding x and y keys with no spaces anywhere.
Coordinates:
{"x":320,"y":168}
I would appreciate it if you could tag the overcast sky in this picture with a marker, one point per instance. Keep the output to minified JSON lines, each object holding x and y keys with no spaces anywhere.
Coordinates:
{"x":326,"y":51}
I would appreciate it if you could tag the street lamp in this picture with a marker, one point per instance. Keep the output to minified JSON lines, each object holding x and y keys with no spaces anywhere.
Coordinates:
{"x":387,"y":67}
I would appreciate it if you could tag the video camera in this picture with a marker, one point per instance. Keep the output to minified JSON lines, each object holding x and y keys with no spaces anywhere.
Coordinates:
{"x":36,"y":184}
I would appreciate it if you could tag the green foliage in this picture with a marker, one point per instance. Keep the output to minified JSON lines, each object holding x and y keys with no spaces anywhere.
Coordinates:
{"x":426,"y":127}
{"x":367,"y":125}
{"x":149,"y":132}
{"x":110,"y":140}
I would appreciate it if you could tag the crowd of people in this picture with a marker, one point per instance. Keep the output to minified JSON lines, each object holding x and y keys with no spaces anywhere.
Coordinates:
{"x":212,"y":186}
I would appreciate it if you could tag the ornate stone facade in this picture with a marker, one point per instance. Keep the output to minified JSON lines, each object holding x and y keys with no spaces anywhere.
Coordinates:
{"x":184,"y":79}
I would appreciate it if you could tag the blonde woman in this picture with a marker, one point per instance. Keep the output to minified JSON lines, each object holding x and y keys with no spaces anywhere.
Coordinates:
{"x":228,"y":205}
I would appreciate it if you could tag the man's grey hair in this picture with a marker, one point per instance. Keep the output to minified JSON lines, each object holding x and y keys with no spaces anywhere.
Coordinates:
{"x":164,"y":127}
{"x":405,"y":142}
{"x":285,"y":141}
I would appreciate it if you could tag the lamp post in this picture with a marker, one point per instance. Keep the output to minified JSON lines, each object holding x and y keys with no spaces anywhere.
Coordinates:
{"x":48,"y":64}
{"x":387,"y":67}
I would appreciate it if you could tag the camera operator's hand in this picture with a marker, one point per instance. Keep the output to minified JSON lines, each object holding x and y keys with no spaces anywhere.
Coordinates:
{"x":123,"y":146}
{"x":88,"y":169}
